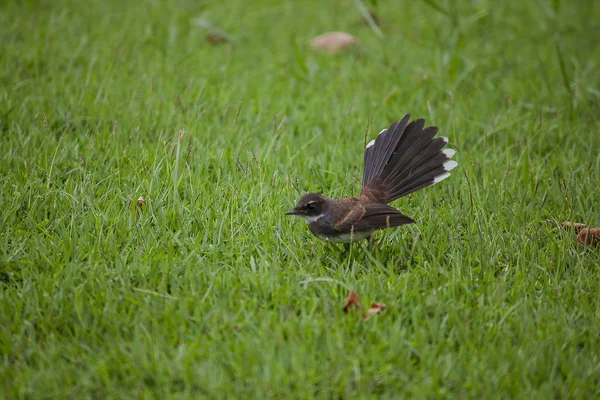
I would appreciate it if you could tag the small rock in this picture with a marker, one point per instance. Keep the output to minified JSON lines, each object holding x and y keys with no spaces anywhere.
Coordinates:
{"x":589,"y":237}
{"x":333,"y":42}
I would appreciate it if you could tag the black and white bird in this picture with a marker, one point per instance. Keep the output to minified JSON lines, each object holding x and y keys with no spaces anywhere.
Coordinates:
{"x":404,"y":158}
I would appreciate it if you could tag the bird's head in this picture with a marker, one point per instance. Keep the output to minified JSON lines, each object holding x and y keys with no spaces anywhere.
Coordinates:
{"x":310,"y":207}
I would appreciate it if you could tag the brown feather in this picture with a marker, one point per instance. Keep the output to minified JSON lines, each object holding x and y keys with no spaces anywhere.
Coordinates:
{"x":369,"y":216}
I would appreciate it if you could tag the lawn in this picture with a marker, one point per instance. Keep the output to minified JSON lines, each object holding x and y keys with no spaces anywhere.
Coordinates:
{"x":220,"y":115}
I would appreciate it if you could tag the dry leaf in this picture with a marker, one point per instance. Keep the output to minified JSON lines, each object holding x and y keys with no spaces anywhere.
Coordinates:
{"x":333,"y":42}
{"x":352,"y":300}
{"x":214,"y":34}
{"x":576,"y":226}
{"x":216,"y":37}
{"x":589,"y":237}
{"x":139,"y":203}
{"x":375,"y":309}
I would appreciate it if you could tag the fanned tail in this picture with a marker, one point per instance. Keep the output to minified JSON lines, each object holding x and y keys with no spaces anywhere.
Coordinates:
{"x":404,"y":158}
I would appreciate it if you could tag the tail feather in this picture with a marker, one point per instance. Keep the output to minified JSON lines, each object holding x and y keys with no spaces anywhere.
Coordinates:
{"x":405,"y":158}
{"x":431,"y":156}
{"x":401,"y":160}
{"x":431,"y":177}
{"x":379,"y":150}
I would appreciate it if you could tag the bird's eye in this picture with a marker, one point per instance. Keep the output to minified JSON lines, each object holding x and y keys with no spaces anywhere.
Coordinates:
{"x":310,"y":206}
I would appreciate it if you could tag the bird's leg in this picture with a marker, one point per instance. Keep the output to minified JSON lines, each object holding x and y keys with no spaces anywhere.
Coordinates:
{"x":340,"y":248}
{"x":345,"y":249}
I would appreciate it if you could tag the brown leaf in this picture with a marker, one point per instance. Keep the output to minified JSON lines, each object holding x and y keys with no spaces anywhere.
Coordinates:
{"x":216,"y":37}
{"x":137,"y":204}
{"x":333,"y":42}
{"x":375,"y":309}
{"x":576,"y":226}
{"x":589,"y":237}
{"x":214,"y":34}
{"x":351,"y":300}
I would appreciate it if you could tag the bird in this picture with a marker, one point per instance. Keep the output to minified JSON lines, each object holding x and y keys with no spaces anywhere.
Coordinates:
{"x":402,"y":159}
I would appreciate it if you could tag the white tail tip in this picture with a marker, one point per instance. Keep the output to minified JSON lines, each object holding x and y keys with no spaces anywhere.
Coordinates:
{"x":449,"y":152}
{"x":372,"y":142}
{"x":450,"y":165}
{"x":441,"y":177}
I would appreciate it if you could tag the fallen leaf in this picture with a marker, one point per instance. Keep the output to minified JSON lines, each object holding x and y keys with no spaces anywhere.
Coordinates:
{"x":333,"y":42}
{"x":375,"y":309}
{"x":589,"y":237}
{"x":351,"y":300}
{"x":576,"y":226}
{"x":214,"y":34}
{"x":138,"y":203}
{"x":216,"y":37}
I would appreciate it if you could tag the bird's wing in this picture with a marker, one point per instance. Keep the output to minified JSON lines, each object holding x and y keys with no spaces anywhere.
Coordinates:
{"x":370,"y":216}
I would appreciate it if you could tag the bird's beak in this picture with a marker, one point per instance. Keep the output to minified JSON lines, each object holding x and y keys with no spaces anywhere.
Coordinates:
{"x":292,"y":212}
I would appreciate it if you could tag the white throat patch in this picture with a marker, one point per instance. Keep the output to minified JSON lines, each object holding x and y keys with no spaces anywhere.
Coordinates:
{"x":311,"y":218}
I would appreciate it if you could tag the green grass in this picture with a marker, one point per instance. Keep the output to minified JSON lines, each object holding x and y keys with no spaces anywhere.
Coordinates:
{"x":211,"y":292}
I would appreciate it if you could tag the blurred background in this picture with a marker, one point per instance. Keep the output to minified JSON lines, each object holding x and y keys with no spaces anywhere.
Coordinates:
{"x":478,"y":69}
{"x":218,"y":114}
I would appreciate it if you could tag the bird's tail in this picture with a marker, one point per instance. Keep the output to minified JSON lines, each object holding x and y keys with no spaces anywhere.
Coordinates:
{"x":405,"y":158}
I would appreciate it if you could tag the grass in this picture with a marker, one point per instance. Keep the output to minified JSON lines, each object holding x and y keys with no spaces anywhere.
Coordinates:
{"x":208,"y":290}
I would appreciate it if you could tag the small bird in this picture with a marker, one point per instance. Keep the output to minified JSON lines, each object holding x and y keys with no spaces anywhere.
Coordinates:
{"x":402,"y":159}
